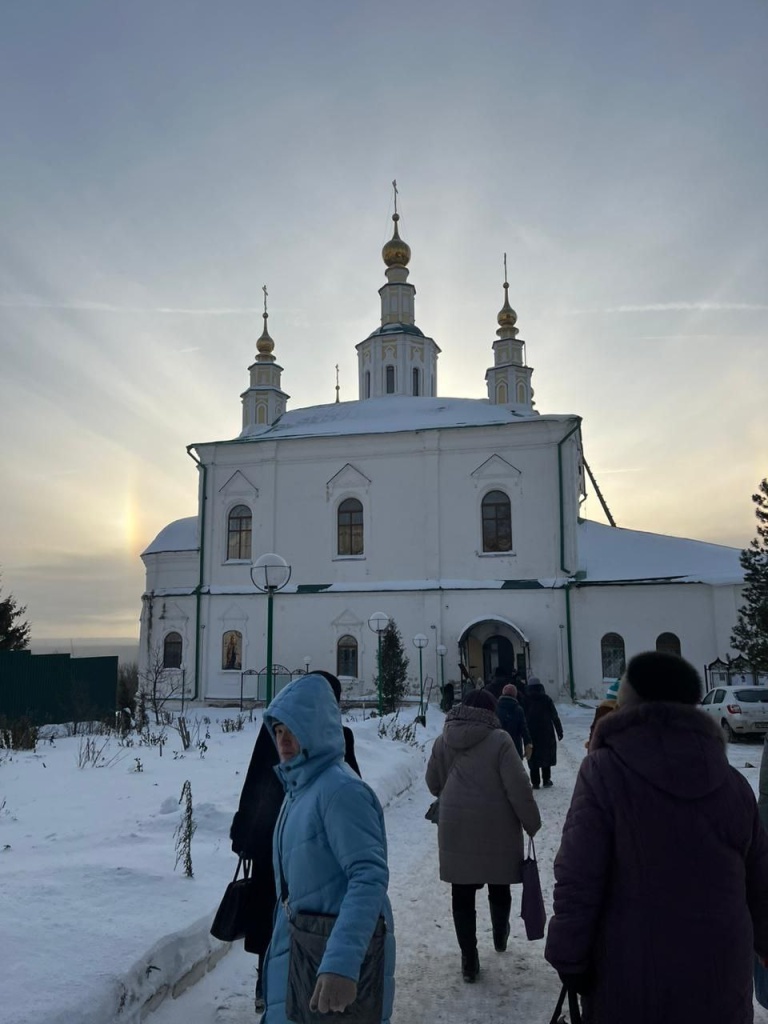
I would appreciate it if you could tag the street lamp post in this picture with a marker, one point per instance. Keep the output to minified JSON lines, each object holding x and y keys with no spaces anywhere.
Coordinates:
{"x":307,"y":663}
{"x":442,"y":650}
{"x":421,"y":642}
{"x":378,"y":622}
{"x":270,"y":573}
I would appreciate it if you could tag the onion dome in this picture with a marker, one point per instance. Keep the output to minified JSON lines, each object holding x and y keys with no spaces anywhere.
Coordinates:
{"x":265,"y":345}
{"x":396,"y":252}
{"x":507,"y":317}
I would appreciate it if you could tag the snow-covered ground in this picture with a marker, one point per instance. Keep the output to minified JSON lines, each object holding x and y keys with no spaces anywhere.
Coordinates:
{"x":95,"y":918}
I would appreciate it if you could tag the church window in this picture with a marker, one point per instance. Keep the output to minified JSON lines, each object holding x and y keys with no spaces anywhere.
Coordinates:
{"x":415,"y":375}
{"x":367,"y":383}
{"x":501,"y":393}
{"x":612,"y":655}
{"x":239,"y":533}
{"x":172,"y":648}
{"x":346,"y":657}
{"x":521,"y":392}
{"x":389,"y":378}
{"x":668,"y":643}
{"x":261,"y":413}
{"x":232,"y":650}
{"x":350,"y":527}
{"x":497,"y":522}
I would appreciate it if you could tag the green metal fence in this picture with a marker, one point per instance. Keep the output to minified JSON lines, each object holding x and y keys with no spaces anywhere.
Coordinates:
{"x":52,"y":688}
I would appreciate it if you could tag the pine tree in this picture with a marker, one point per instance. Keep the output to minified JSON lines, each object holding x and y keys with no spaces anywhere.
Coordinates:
{"x":394,"y":668}
{"x":750,"y":634}
{"x":14,"y":630}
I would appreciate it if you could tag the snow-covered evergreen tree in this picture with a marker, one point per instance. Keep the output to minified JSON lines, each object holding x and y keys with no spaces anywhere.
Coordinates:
{"x":14,"y":630}
{"x":750,"y":634}
{"x":394,"y":668}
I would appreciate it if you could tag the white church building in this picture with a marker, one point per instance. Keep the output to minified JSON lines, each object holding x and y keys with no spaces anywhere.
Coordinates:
{"x":457,"y":518}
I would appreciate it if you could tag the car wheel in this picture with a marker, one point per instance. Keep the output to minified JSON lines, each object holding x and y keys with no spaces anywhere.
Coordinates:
{"x":729,"y":735}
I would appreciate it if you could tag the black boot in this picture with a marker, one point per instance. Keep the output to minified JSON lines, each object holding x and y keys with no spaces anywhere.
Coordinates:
{"x":465,"y":923}
{"x":470,"y":966}
{"x":500,"y":907}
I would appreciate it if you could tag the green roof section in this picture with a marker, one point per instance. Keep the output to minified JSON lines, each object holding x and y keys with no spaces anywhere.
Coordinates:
{"x":312,"y":588}
{"x":521,"y":585}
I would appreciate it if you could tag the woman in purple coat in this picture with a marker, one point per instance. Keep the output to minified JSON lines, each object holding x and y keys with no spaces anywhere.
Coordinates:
{"x":661,"y":880}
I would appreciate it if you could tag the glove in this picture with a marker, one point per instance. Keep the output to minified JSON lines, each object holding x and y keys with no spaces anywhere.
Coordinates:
{"x":579,"y":983}
{"x":333,"y":993}
{"x":528,"y":751}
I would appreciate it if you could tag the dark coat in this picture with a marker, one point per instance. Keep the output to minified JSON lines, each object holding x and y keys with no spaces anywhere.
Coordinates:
{"x":254,"y":822}
{"x":513,"y":722}
{"x":544,"y":725}
{"x":661,"y":880}
{"x":485,"y":800}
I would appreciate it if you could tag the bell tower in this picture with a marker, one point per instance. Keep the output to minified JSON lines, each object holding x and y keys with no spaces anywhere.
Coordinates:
{"x":264,"y":402}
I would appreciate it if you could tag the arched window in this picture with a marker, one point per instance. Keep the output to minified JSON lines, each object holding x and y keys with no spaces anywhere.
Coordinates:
{"x":497,"y":522}
{"x":367,"y":383}
{"x":346,"y":657}
{"x":501,"y":393}
{"x":612,"y":655}
{"x":668,"y":643}
{"x":350,"y":527}
{"x":389,"y":378}
{"x":232,"y":650}
{"x":415,"y":379}
{"x":521,"y":396}
{"x":239,"y":533}
{"x":172,"y":648}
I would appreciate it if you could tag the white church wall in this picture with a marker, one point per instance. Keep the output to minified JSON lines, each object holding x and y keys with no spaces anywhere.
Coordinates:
{"x":695,"y":613}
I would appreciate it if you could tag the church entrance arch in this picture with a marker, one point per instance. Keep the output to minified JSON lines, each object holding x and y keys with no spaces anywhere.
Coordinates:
{"x":488,"y":644}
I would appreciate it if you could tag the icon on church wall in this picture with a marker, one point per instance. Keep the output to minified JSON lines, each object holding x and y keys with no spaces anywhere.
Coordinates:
{"x":232,"y":650}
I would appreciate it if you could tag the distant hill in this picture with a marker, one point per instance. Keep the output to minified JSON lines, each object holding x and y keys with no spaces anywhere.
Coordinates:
{"x":126,"y":648}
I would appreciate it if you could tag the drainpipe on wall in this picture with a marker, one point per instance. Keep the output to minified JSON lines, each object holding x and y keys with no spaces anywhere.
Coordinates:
{"x":563,"y":567}
{"x":203,"y":469}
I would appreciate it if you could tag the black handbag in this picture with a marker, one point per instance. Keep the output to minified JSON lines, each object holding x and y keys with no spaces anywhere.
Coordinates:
{"x":532,"y":908}
{"x":236,"y":910}
{"x":309,"y":937}
{"x":573,"y":1008}
{"x":433,"y":812}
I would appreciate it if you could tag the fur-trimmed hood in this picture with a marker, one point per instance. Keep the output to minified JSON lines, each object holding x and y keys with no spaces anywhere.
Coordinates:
{"x":465,"y":726}
{"x":675,"y":747}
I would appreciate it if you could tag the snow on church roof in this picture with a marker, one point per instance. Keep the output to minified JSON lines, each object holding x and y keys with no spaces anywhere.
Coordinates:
{"x":388,"y":415}
{"x":180,"y":535}
{"x":609,"y":554}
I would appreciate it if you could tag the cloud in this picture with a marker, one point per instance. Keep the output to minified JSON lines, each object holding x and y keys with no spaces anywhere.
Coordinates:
{"x":23,"y":302}
{"x":671,"y":307}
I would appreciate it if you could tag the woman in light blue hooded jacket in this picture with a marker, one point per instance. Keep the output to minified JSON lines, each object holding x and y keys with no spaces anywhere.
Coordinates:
{"x":330,"y":848}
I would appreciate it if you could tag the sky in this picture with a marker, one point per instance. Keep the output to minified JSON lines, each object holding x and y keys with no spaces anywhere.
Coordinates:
{"x":162,"y":162}
{"x":95,"y":844}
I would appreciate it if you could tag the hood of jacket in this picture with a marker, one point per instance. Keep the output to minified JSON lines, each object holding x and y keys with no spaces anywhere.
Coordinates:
{"x":675,"y":747}
{"x":308,"y":708}
{"x":465,"y":727}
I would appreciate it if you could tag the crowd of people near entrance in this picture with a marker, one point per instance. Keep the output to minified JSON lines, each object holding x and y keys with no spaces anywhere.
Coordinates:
{"x":660,"y":903}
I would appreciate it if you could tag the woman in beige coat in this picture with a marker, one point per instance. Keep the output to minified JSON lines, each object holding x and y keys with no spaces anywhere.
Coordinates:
{"x":485,"y":803}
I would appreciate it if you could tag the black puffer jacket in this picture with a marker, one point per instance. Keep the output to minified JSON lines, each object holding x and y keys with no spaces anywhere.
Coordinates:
{"x":544,"y":724}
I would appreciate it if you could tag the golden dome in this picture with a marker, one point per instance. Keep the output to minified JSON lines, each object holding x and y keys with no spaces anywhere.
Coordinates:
{"x":396,"y":253}
{"x":507,"y":316}
{"x":265,"y":345}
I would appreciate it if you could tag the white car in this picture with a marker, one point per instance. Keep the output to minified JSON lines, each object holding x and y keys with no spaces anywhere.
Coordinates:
{"x":738,"y":709}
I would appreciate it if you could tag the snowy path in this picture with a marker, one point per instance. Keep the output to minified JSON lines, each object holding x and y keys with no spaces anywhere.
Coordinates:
{"x":514,"y":986}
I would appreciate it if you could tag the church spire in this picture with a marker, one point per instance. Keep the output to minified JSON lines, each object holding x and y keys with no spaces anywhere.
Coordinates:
{"x":509,"y":379}
{"x":264,"y":402}
{"x":397,"y":359}
{"x":265,"y":346}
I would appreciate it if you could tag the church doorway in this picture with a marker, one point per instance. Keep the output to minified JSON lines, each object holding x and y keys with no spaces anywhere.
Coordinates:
{"x":489,"y":644}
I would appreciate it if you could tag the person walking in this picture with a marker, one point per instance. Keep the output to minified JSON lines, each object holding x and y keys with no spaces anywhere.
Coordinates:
{"x":485,"y":802}
{"x":513,"y":720}
{"x":545,"y":728}
{"x":661,"y":879}
{"x":254,"y":823}
{"x":330,"y":858}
